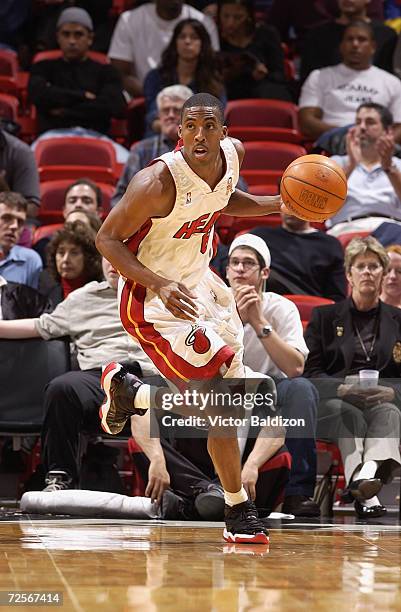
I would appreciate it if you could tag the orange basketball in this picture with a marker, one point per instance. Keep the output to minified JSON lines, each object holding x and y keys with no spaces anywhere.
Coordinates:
{"x":313,"y":187}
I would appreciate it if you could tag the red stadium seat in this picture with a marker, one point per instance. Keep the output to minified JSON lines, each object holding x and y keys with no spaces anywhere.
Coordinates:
{"x":306,"y":303}
{"x":289,"y":69}
{"x":265,"y":162}
{"x":52,"y":199}
{"x":96,"y":56}
{"x":255,"y":111}
{"x":74,"y":157}
{"x":9,"y":85}
{"x":9,"y":107}
{"x":262,"y":132}
{"x":8,"y":63}
{"x":228,"y":227}
{"x":44,"y":231}
{"x":345,"y":239}
{"x":261,"y":190}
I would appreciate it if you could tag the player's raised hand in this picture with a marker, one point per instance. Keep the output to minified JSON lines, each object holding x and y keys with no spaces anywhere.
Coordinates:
{"x":179,"y":300}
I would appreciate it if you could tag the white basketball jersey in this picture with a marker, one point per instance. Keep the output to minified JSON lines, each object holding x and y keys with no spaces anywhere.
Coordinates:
{"x":179,"y":246}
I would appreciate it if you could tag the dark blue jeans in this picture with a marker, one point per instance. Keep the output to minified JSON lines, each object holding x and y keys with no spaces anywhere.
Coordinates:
{"x":297,"y":398}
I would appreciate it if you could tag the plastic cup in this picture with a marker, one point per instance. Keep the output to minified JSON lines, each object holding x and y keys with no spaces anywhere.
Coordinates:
{"x":368,"y":378}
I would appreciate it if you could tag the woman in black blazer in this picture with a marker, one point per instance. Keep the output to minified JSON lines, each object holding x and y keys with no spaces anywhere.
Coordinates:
{"x":359,"y":333}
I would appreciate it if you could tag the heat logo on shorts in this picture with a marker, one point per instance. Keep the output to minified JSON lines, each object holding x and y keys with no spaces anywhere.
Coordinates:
{"x":198,"y":340}
{"x":313,"y":199}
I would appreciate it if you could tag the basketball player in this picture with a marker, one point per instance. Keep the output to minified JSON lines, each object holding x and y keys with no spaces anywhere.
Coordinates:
{"x":159,"y":238}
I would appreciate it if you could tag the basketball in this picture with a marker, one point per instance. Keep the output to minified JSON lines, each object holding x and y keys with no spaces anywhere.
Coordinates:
{"x":313,"y":187}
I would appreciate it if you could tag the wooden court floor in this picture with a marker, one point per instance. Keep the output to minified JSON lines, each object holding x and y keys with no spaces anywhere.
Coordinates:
{"x":147,"y":566}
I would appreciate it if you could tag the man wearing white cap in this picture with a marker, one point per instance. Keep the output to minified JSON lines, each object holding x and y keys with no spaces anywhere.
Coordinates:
{"x":274,"y":345}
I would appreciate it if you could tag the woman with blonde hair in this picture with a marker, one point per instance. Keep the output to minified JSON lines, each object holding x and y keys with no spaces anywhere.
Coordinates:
{"x":349,"y":341}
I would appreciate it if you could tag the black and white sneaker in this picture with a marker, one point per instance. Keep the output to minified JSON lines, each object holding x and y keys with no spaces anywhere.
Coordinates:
{"x":243,"y":525}
{"x":120,"y":388}
{"x":57,"y":480}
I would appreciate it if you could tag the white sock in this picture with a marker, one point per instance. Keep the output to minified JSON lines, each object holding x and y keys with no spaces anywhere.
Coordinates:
{"x":232,"y":499}
{"x":368,"y":470}
{"x":142,"y":398}
{"x":373,"y":501}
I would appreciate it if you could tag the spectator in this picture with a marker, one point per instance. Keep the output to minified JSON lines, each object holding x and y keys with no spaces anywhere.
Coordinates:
{"x":188,"y":60}
{"x":73,"y":261}
{"x":391,"y":288}
{"x":90,"y":317}
{"x":322,"y":43}
{"x":83,"y":196}
{"x":142,"y":34}
{"x":274,"y":345}
{"x":169,"y":102}
{"x":304,"y":260}
{"x":187,"y":466}
{"x":357,"y":334}
{"x":330,"y":96}
{"x":373,"y":173}
{"x":253,"y":60}
{"x":18,"y":171}
{"x":17,"y":263}
{"x":75,"y":90}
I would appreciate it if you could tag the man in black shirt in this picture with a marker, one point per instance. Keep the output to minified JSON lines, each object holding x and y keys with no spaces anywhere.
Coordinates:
{"x":75,"y":90}
{"x":306,"y":260}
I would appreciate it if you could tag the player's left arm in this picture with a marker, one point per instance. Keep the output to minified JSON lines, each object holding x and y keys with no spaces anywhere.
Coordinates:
{"x":243,"y":204}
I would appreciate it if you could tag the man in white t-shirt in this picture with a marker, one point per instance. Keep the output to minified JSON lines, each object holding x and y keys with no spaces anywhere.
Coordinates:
{"x":142,"y":34}
{"x":274,"y":345}
{"x":373,"y":173}
{"x":330,"y":96}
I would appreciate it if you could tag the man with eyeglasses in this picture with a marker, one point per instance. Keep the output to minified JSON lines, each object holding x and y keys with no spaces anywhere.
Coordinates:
{"x":274,"y":345}
{"x":358,"y":334}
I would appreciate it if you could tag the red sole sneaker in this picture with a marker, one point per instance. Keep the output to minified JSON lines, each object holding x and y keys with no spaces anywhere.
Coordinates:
{"x":245,"y":538}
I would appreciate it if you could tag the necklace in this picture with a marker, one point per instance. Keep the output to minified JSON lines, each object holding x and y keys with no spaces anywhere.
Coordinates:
{"x":367,"y":354}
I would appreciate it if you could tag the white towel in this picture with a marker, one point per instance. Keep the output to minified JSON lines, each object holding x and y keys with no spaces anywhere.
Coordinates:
{"x":88,"y":503}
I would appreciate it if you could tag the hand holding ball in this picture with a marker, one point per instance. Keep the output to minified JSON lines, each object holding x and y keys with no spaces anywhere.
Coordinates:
{"x":313,"y":187}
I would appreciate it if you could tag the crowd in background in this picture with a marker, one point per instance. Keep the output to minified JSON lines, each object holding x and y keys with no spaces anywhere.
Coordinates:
{"x":340,"y":62}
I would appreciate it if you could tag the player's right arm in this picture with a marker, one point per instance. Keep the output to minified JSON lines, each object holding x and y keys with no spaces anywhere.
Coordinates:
{"x":151,"y":193}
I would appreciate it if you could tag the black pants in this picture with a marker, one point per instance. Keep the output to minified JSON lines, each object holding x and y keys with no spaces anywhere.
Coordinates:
{"x":72,"y":403}
{"x":191,"y":471}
